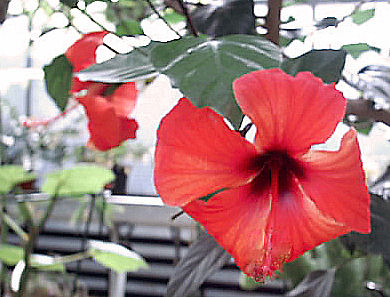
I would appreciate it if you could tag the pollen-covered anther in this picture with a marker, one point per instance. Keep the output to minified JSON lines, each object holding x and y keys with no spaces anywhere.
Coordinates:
{"x":267,"y":269}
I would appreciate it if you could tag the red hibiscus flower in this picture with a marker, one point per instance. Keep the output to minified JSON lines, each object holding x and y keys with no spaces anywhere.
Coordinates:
{"x":82,"y":54}
{"x":109,"y":124}
{"x":279,"y":198}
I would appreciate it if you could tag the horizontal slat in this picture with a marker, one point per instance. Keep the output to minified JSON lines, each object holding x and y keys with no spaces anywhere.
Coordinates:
{"x":140,"y":210}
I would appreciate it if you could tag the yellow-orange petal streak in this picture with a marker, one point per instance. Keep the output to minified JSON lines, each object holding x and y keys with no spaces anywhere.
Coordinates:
{"x":198,"y":154}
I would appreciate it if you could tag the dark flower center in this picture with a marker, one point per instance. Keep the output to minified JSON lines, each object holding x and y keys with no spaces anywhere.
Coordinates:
{"x":275,"y":169}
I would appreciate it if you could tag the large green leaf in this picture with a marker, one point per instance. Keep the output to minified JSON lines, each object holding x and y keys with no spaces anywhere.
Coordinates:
{"x":133,"y":66}
{"x":204,"y":257}
{"x":220,"y":18}
{"x":325,"y":64}
{"x":58,"y":79}
{"x":378,"y":241}
{"x":356,"y":49}
{"x":316,"y":284}
{"x":11,"y":254}
{"x":362,"y":16}
{"x":204,"y":69}
{"x":12,"y":175}
{"x":115,"y":256}
{"x":78,"y":181}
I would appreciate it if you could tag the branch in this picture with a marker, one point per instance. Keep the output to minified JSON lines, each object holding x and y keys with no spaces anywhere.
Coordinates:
{"x":186,"y":13}
{"x":83,"y":11}
{"x":365,"y":110}
{"x":272,"y":20}
{"x":356,"y":9}
{"x":245,"y":129}
{"x":161,"y":17}
{"x":14,"y":226}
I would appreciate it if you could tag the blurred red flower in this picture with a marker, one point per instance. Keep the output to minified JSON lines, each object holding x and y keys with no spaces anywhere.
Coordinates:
{"x":279,"y":198}
{"x":109,"y":124}
{"x":82,"y":54}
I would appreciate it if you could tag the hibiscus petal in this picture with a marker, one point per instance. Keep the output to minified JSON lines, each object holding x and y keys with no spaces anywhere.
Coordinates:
{"x":335,"y":182}
{"x":237,"y":221}
{"x":96,"y":88}
{"x":290,"y":113}
{"x":197,"y":154}
{"x":262,"y":232}
{"x":124,"y":98}
{"x":107,"y":129}
{"x":82,"y":53}
{"x":78,"y":85}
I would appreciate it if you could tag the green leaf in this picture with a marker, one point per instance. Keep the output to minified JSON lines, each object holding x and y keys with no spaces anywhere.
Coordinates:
{"x":316,"y":284}
{"x":248,"y":283}
{"x":362,"y":16}
{"x":11,"y":254}
{"x":135,"y":65}
{"x":129,"y":27}
{"x":378,"y":241}
{"x":12,"y":175}
{"x":58,"y":79}
{"x":327,"y":22}
{"x":325,"y":64}
{"x":287,"y":3}
{"x":78,"y":181}
{"x":204,"y":69}
{"x":173,"y":17}
{"x":115,"y":256}
{"x":44,"y":262}
{"x":221,"y":18}
{"x":70,"y":3}
{"x":91,"y":1}
{"x":355,"y":50}
{"x":204,"y":257}
{"x":289,"y":20}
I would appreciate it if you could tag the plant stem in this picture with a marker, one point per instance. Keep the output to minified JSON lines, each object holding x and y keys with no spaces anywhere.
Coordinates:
{"x":102,"y":215}
{"x":48,"y":212}
{"x":85,"y":234}
{"x":245,"y":129}
{"x":188,"y":17}
{"x":111,"y":49}
{"x":83,"y":11}
{"x":273,"y":20}
{"x":28,"y":249}
{"x":7,"y":221}
{"x":176,"y":215}
{"x":161,"y":17}
{"x":29,"y":245}
{"x":4,"y":236}
{"x":72,"y":258}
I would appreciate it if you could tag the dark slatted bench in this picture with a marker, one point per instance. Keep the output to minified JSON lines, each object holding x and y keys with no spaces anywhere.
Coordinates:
{"x":149,"y":231}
